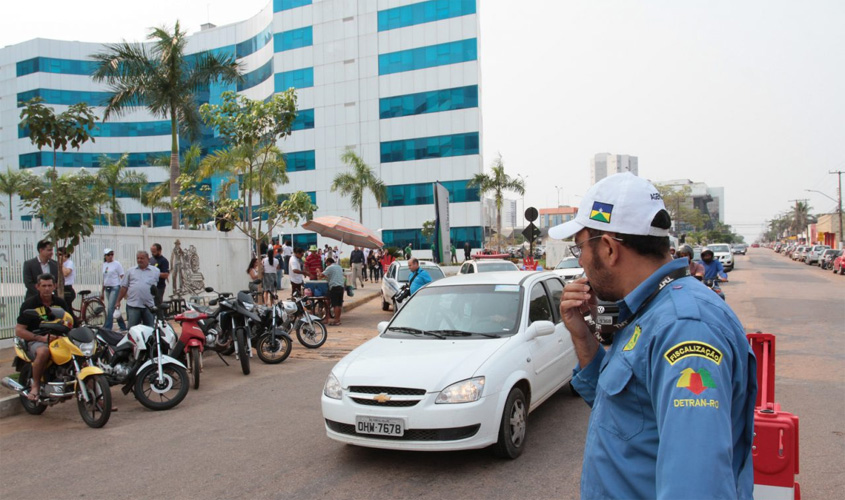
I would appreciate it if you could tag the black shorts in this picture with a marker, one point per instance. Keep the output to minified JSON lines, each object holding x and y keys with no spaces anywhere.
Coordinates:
{"x":336,"y":296}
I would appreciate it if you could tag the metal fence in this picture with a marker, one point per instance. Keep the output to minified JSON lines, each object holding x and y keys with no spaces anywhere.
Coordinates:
{"x":221,"y":259}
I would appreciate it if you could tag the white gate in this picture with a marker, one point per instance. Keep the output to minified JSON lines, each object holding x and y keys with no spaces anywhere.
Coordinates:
{"x":222,"y":258}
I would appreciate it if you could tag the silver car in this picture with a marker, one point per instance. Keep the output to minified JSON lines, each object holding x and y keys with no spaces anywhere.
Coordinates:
{"x":397,"y":276}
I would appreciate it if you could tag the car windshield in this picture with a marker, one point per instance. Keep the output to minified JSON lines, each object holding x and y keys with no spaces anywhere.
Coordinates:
{"x":489,"y":267}
{"x":568,"y":263}
{"x":459,"y":311}
{"x":404,"y":273}
{"x":719,"y":248}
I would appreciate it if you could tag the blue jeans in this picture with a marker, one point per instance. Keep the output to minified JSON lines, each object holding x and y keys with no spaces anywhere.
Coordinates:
{"x":139,"y":316}
{"x":111,"y":293}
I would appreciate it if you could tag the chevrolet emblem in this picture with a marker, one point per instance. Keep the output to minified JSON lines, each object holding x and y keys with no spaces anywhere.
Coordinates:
{"x":381,"y":398}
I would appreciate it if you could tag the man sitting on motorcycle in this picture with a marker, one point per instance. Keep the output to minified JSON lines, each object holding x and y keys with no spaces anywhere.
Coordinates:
{"x":37,"y":345}
{"x":713,"y":270}
{"x":695,"y":268}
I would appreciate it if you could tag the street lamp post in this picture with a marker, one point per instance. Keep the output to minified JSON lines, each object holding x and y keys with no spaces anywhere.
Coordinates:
{"x":839,"y":202}
{"x":558,"y":188}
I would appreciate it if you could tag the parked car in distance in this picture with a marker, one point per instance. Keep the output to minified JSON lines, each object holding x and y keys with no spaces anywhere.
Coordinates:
{"x":826,"y":260}
{"x":398,"y":274}
{"x":569,"y":269}
{"x":814,"y":253}
{"x":722,"y":252}
{"x":739,"y":249}
{"x":460,"y":366}
{"x":839,"y":264}
{"x":755,"y":245}
{"x":487,"y":266}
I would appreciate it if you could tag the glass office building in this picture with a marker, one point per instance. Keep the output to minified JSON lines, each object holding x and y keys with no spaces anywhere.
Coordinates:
{"x":397,"y":80}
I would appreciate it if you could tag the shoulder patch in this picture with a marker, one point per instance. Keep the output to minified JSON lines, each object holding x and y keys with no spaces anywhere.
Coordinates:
{"x":634,"y":338}
{"x":693,"y":348}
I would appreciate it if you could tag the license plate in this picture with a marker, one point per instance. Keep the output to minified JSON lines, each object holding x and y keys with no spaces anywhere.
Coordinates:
{"x":379,"y":425}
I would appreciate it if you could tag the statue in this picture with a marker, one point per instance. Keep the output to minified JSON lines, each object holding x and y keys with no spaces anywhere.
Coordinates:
{"x":185,"y":271}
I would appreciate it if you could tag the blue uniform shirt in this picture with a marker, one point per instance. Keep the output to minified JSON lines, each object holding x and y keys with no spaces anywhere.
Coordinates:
{"x":421,"y":279}
{"x":672,"y":399}
{"x":713,"y":270}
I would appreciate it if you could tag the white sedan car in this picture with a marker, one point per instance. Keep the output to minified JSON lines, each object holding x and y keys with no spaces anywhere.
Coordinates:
{"x":569,"y":269}
{"x":460,"y":366}
{"x":487,"y":266}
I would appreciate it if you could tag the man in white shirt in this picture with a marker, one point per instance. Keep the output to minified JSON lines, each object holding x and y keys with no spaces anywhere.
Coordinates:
{"x":287,"y":251}
{"x":69,"y":272}
{"x":297,"y":272}
{"x":112,"y":275}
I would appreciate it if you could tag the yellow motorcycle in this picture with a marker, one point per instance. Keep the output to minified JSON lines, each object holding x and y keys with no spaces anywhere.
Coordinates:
{"x":69,"y":373}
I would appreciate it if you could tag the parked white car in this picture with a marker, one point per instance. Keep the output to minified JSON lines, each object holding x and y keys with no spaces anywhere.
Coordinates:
{"x":722,"y":252}
{"x":814,"y":254}
{"x":397,"y":275}
{"x":487,"y":266}
{"x":460,"y":366}
{"x":569,"y":269}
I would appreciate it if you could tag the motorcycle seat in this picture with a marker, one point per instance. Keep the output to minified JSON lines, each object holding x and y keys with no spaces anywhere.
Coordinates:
{"x":111,"y":337}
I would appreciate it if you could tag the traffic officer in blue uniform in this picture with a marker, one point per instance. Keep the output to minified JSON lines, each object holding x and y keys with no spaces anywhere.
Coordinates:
{"x":672,"y":385}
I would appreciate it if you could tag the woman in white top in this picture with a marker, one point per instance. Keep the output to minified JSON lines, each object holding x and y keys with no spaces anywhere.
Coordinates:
{"x":112,"y":274}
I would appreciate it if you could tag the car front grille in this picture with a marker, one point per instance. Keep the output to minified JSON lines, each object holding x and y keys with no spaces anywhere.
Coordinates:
{"x":373,"y":402}
{"x":446,"y":434}
{"x":393,"y":391}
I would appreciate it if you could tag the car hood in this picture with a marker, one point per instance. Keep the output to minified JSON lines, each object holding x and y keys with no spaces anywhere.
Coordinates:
{"x":430,"y":364}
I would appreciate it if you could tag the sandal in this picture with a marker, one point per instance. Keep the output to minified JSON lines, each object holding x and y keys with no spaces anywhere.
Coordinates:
{"x":333,"y":324}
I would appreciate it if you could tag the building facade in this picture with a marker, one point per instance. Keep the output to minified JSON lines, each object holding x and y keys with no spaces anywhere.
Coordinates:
{"x":396,"y":80}
{"x":551,"y":217}
{"x":605,"y":164}
{"x":710,"y":201}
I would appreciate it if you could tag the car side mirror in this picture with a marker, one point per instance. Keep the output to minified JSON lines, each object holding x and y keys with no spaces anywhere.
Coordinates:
{"x":540,"y":329}
{"x":382,"y":326}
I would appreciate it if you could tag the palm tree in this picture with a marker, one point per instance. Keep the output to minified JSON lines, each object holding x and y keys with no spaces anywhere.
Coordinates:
{"x":354,"y":183}
{"x":14,"y":182}
{"x":800,"y":217}
{"x":113,"y":177}
{"x":497,"y":182}
{"x":164,"y":80}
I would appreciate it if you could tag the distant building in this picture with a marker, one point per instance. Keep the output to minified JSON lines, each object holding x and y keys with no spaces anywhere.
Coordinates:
{"x":708,"y":200}
{"x":551,"y":217}
{"x":508,"y":214}
{"x":605,"y":164}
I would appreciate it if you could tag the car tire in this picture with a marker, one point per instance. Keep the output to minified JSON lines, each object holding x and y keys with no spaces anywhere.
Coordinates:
{"x":385,"y":305}
{"x":513,"y":427}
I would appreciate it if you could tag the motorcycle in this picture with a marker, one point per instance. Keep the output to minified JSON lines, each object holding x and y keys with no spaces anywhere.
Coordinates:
{"x":293,"y":315}
{"x":235,"y":313}
{"x":272,"y":342}
{"x":713,"y":284}
{"x":216,"y":337}
{"x":192,"y":342}
{"x":140,"y":361}
{"x":69,"y":374}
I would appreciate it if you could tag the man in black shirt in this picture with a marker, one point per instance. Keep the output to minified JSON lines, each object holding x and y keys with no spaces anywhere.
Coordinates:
{"x":160,"y":261}
{"x":36,"y":345}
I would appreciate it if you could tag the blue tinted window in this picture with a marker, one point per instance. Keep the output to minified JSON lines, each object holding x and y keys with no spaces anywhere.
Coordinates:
{"x":121,"y":129}
{"x":257,"y":76}
{"x":423,"y":194}
{"x":280,"y":5}
{"x":304,"y":241}
{"x":298,"y":79}
{"x":428,"y":57}
{"x":300,"y":161}
{"x":430,"y":147}
{"x":458,"y":235}
{"x":68,"y":97}
{"x":247,"y":47}
{"x":423,"y":12}
{"x":429,"y":102}
{"x":304,"y":119}
{"x":52,"y":65}
{"x":87,"y":160}
{"x":293,"y":39}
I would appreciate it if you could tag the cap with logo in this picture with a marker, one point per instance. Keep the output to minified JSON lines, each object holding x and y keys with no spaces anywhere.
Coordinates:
{"x":621,"y":203}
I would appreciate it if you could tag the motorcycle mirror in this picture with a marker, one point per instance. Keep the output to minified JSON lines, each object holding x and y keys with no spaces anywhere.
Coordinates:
{"x":209,"y":289}
{"x":212,"y":302}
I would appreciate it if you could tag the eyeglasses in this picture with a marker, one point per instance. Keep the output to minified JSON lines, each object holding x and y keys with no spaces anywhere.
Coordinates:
{"x":575,"y":250}
{"x":109,"y":255}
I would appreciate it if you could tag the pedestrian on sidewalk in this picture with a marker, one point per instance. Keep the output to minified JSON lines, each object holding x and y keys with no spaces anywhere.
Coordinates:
{"x":408,"y":252}
{"x":269,"y":281}
{"x":334,"y":275}
{"x":356,"y":258}
{"x":297,"y":272}
{"x":454,"y":252}
{"x":254,"y":273}
{"x":113,"y":273}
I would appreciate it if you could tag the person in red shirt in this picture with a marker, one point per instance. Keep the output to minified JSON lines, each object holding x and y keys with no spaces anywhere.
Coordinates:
{"x":313,"y":262}
{"x":386,"y":260}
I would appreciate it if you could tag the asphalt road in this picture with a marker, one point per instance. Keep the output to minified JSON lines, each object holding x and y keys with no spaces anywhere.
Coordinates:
{"x":262,"y":435}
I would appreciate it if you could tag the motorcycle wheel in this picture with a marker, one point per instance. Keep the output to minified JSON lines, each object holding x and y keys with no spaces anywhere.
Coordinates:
{"x":310,"y":336}
{"x":240,"y":338}
{"x":26,"y":380}
{"x":322,"y":310}
{"x":161,"y":394}
{"x":196,"y":357}
{"x":95,"y":413}
{"x":273,"y":352}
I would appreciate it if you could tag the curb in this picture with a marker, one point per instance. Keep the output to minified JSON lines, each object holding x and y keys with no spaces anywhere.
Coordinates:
{"x":361,"y":302}
{"x":10,"y":405}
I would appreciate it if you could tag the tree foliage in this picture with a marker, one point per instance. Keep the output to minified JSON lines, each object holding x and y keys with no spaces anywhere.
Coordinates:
{"x":45,"y":128}
{"x":14,"y":182}
{"x":362,"y":178}
{"x":679,"y":204}
{"x":497,"y":182}
{"x":166,"y":81}
{"x":428,"y":229}
{"x":114,"y":177}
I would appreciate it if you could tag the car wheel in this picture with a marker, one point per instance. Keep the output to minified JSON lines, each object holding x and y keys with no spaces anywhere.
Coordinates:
{"x":512,"y":429}
{"x":385,"y":305}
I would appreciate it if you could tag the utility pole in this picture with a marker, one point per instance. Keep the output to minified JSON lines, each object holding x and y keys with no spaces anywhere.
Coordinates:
{"x":839,"y":173}
{"x":796,"y":211}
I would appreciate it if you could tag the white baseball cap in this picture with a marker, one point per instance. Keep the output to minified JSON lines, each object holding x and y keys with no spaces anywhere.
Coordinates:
{"x":107,"y":251}
{"x":621,"y":203}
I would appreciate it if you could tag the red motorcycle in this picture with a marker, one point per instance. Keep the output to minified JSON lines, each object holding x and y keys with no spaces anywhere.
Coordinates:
{"x":191,"y":343}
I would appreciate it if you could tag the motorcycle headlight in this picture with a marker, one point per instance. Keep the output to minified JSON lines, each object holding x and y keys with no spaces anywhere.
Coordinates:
{"x":332,"y":389}
{"x":465,"y":391}
{"x":88,"y":348}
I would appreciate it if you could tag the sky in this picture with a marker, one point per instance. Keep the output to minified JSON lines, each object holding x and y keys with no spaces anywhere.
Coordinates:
{"x":746,"y":95}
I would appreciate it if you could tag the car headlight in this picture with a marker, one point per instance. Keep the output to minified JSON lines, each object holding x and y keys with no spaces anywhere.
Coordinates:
{"x":88,"y":348}
{"x":332,"y":388}
{"x":465,"y":391}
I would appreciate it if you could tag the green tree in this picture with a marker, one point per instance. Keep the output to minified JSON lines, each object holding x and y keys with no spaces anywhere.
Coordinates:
{"x":679,"y":205}
{"x":114,"y":177}
{"x":66,"y":208}
{"x":800,"y":217}
{"x":497,"y":182}
{"x":362,"y":178}
{"x":250,"y":128}
{"x":191,"y":201}
{"x":428,"y":229}
{"x":14,"y":182}
{"x":46,"y":128}
{"x":164,"y":80}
